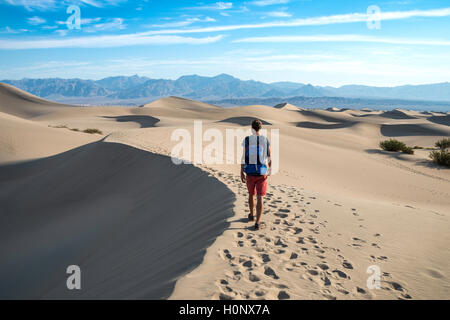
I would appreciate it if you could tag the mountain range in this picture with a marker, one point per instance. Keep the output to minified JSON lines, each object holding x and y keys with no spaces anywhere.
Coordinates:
{"x":221,"y":87}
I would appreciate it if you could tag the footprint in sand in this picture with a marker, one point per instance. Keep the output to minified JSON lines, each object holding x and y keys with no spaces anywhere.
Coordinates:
{"x":248,"y":264}
{"x":223,"y":296}
{"x":323,"y":266}
{"x":226,"y":254}
{"x":341,"y":274}
{"x":313,"y":272}
{"x":380,"y":258}
{"x":347,"y":265}
{"x":253,"y":277}
{"x":268,"y":271}
{"x":398,"y":287}
{"x":325,"y":281}
{"x":281,"y":243}
{"x":283,"y":295}
{"x":434,"y":274}
{"x":265,"y":258}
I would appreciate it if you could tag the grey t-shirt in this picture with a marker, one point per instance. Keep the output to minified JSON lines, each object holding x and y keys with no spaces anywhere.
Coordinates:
{"x":264,"y":145}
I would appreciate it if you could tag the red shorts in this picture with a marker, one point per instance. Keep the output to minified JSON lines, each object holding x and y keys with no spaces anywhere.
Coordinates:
{"x":257,"y":185}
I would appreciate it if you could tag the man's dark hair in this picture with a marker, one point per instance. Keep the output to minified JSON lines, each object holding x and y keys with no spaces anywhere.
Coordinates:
{"x":257,"y":125}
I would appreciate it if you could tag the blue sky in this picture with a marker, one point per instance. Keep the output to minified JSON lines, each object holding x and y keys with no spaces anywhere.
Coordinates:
{"x":382,"y":43}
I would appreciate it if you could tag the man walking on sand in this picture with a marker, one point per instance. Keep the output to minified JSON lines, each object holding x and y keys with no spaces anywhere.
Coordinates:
{"x":254,"y":170}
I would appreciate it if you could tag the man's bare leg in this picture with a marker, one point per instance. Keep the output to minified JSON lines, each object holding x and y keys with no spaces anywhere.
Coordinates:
{"x":259,"y":208}
{"x":251,"y":205}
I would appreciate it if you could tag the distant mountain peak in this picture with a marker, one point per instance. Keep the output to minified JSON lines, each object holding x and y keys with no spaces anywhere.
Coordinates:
{"x":222,"y":86}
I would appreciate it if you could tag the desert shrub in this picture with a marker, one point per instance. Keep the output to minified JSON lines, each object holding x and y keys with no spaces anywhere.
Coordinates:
{"x":392,"y":145}
{"x":443,"y":144}
{"x":408,"y":150}
{"x":441,"y":157}
{"x":417,"y":147}
{"x":75,"y":129}
{"x":92,"y":131}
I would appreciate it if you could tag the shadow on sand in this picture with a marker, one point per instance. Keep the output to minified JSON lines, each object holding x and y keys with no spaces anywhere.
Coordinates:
{"x":143,"y":121}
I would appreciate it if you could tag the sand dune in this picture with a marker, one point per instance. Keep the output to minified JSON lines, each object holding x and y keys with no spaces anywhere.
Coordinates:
{"x":23,"y":104}
{"x":109,"y":209}
{"x":141,"y":227}
{"x":397,"y":114}
{"x":22,"y":139}
{"x":243,"y":121}
{"x":322,"y":126}
{"x":400,"y":130}
{"x":444,"y":120}
{"x":287,"y":106}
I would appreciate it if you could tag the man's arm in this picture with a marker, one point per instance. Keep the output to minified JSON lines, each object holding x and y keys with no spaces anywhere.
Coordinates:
{"x":269,"y":155}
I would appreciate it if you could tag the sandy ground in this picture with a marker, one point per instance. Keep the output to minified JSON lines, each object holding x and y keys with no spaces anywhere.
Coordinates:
{"x":141,"y":227}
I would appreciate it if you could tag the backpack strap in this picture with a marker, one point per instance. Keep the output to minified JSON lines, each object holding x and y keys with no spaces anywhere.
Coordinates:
{"x":258,"y":158}
{"x":247,"y":153}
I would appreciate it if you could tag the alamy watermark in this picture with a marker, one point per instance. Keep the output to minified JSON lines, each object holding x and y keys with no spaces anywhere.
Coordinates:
{"x":374,"y":281}
{"x":74,"y":20}
{"x":220,"y":148}
{"x":374,"y":17}
{"x":74,"y":280}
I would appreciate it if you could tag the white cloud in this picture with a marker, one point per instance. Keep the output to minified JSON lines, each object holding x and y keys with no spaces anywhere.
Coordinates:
{"x":315,"y":21}
{"x":49,"y":27}
{"x":63,"y":32}
{"x":279,"y":14}
{"x":89,"y":20}
{"x":183,"y":23}
{"x":113,"y":24}
{"x":102,"y":3}
{"x":9,"y":30}
{"x":215,"y":6}
{"x":263,"y":3}
{"x":103,"y":41}
{"x":343,"y":38}
{"x":83,"y":21}
{"x":91,"y":24}
{"x":36,"y":20}
{"x":45,"y":5}
{"x":31,"y":5}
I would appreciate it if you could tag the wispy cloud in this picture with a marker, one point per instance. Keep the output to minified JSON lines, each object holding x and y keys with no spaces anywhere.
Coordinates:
{"x":282,"y":13}
{"x":46,"y":5}
{"x":315,"y":21}
{"x":34,"y":21}
{"x":8,"y":30}
{"x":263,"y":3}
{"x":215,"y":6}
{"x":41,"y":5}
{"x":91,"y":25}
{"x":112,"y":24}
{"x":343,"y":38}
{"x":104,"y":42}
{"x":184,"y":23}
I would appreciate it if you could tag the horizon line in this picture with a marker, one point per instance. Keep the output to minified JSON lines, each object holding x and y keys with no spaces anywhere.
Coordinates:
{"x":224,"y":74}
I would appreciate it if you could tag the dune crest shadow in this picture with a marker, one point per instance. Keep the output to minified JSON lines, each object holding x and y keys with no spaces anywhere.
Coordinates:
{"x":125,"y":216}
{"x":243,"y":121}
{"x":143,"y":121}
{"x":405,"y":130}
